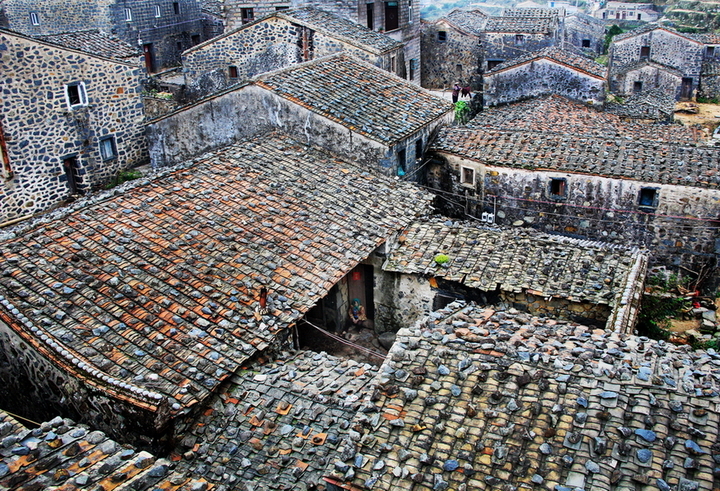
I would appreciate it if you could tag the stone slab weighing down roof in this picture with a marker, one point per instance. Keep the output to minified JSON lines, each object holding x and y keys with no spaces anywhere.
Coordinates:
{"x":516,"y":260}
{"x":592,"y":147}
{"x":532,"y":12}
{"x":518,"y":24}
{"x":63,"y":456}
{"x":697,"y":38}
{"x":565,"y":57}
{"x":152,"y":294}
{"x":95,"y":42}
{"x":277,"y":425}
{"x":471,"y":21}
{"x":480,"y":399}
{"x":359,"y":96}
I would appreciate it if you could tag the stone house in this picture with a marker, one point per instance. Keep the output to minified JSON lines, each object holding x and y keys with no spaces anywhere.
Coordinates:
{"x":584,"y":33}
{"x":279,"y":40}
{"x":548,"y":71}
{"x":452,"y":49}
{"x":626,"y":11}
{"x":71,"y":118}
{"x":129,"y":310}
{"x":162,"y":28}
{"x":655,"y":57}
{"x":399,"y":20}
{"x":592,"y":283}
{"x":346,"y":106}
{"x":559,"y":166}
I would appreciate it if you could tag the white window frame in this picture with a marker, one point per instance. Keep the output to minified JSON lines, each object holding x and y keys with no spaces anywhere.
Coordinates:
{"x":108,"y":143}
{"x":157,"y":11}
{"x":463,"y":169}
{"x":82,"y":94}
{"x":128,"y":15}
{"x":34,"y":19}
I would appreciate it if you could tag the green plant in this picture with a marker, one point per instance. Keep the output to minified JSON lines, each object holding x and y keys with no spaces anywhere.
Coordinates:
{"x":462,"y":112}
{"x":710,"y":343}
{"x":611,"y":33}
{"x":708,"y":100}
{"x":656,"y":312}
{"x":442,"y":258}
{"x":157,"y":94}
{"x":123,"y":176}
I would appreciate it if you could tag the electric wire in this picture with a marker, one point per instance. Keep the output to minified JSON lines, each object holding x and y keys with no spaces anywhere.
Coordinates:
{"x":345,"y":341}
{"x":21,"y":417}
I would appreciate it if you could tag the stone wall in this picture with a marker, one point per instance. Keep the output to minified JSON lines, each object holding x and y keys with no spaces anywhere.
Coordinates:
{"x":541,"y":77}
{"x":261,"y":47}
{"x":440,"y":59}
{"x":41,"y":130}
{"x":500,"y":46}
{"x":584,"y":313}
{"x":579,"y":28}
{"x":652,"y":77}
{"x":710,"y":80}
{"x":595,"y":207}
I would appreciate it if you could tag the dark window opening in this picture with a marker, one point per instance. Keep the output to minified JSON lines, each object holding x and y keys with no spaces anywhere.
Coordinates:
{"x":493,"y":63}
{"x":413,"y":67}
{"x":179,"y":46}
{"x":34,"y":19}
{"x":648,"y":197}
{"x":710,"y":51}
{"x":195,"y":38}
{"x":71,"y":167}
{"x":645,"y":53}
{"x":281,"y":8}
{"x":585,"y":43}
{"x":108,"y":150}
{"x":402,"y":164}
{"x":233,"y":72}
{"x":4,"y":157}
{"x":393,"y":65}
{"x":176,"y":8}
{"x":418,"y":149}
{"x":442,"y":36}
{"x":247,"y":15}
{"x":75,"y":94}
{"x":558,"y":188}
{"x":149,"y":58}
{"x":519,"y":39}
{"x":468,"y":175}
{"x":458,"y":70}
{"x":639,"y":16}
{"x":371,"y":16}
{"x":392,"y":19}
{"x":637,"y":87}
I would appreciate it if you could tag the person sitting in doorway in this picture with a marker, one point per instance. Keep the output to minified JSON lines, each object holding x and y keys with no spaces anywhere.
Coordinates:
{"x":357,"y":314}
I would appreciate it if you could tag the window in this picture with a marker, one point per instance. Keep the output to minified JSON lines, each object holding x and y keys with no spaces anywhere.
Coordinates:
{"x":519,"y":39}
{"x":247,"y":15}
{"x":710,"y":52}
{"x":371,"y":16}
{"x":413,"y":67}
{"x":402,"y":162}
{"x":233,"y":72}
{"x":75,"y":94}
{"x":281,"y":8}
{"x":639,"y":16}
{"x":176,"y":8}
{"x":393,"y":65}
{"x":108,"y":150}
{"x":467,"y":175}
{"x":34,"y":19}
{"x":637,"y":87}
{"x":418,"y":149}
{"x":585,"y":43}
{"x":410,"y":12}
{"x":458,"y":70}
{"x":72,"y":175}
{"x":558,"y":188}
{"x":392,"y":19}
{"x":645,"y":53}
{"x":195,"y":39}
{"x":157,"y":10}
{"x":648,"y":197}
{"x":4,"y":158}
{"x":442,"y":36}
{"x":493,"y":63}
{"x":128,"y":15}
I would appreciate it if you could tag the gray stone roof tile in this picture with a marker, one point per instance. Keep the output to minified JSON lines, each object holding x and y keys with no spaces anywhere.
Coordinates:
{"x":472,"y":21}
{"x":95,"y":42}
{"x":517,"y":24}
{"x":564,"y":56}
{"x":359,"y":96}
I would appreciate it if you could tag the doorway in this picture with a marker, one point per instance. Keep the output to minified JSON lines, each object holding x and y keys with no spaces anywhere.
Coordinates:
{"x":392,"y":19}
{"x":71,"y":166}
{"x":360,"y":286}
{"x":686,"y":89}
{"x":149,"y":58}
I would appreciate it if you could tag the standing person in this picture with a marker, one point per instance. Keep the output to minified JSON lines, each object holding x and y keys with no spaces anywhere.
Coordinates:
{"x":456,"y":92}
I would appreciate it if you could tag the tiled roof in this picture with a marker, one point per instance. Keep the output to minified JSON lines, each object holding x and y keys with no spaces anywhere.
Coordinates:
{"x":531,"y":12}
{"x":557,"y":114}
{"x":214,"y":7}
{"x":651,"y":27}
{"x":343,"y":28}
{"x":472,"y":21}
{"x":642,"y":160}
{"x":60,"y":455}
{"x":481,"y":399}
{"x":563,"y":56}
{"x":483,"y":258}
{"x":521,"y":24}
{"x":153,"y":293}
{"x":359,"y":96}
{"x":708,"y":38}
{"x":94,"y":42}
{"x":277,"y":425}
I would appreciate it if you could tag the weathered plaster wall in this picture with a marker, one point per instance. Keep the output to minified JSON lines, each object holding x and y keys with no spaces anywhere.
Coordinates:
{"x":41,"y":130}
{"x":35,"y":387}
{"x":541,"y":77}
{"x":652,"y":78}
{"x":440,"y":59}
{"x":595,"y":207}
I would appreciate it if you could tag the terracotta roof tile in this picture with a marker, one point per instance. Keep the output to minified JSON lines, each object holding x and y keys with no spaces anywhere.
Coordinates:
{"x":94,"y":42}
{"x":362,"y":97}
{"x":153,"y":293}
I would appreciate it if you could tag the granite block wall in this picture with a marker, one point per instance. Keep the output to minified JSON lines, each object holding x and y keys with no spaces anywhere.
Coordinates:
{"x":679,"y":231}
{"x":582,"y":28}
{"x":457,"y":58}
{"x":41,"y":130}
{"x":652,"y":77}
{"x":710,"y":80}
{"x":541,"y":77}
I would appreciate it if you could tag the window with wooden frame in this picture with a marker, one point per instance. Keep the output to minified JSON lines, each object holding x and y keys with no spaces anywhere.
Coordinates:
{"x":5,"y":169}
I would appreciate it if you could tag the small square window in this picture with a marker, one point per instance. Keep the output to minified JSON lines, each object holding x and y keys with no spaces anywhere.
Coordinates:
{"x":493,"y":63}
{"x":34,"y":19}
{"x":637,"y":87}
{"x":648,"y":197}
{"x":710,"y":51}
{"x":128,"y":15}
{"x":157,"y":10}
{"x":585,"y":43}
{"x":75,"y":94}
{"x":176,"y":8}
{"x":558,"y":188}
{"x":247,"y":15}
{"x":519,"y":39}
{"x":645,"y":53}
{"x":233,"y":72}
{"x":442,"y":36}
{"x":467,"y":175}
{"x":108,"y":150}
{"x":195,"y":39}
